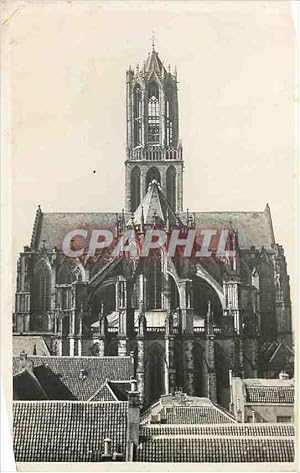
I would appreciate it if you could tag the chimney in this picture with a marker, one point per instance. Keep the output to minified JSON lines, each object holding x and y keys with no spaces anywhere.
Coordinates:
{"x":107,"y":456}
{"x":238,"y":410}
{"x":133,"y":420}
{"x":25,"y":363}
{"x":283,"y":375}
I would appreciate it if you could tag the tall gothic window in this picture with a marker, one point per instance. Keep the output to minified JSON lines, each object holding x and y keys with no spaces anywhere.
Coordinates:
{"x":42,"y":287}
{"x":135,"y":188}
{"x":171,"y":186}
{"x":153,"y":114}
{"x":153,"y":283}
{"x":169,"y":124}
{"x":137,"y":112}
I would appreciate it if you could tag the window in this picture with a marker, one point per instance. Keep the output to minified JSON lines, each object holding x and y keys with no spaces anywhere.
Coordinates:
{"x":42,"y":287}
{"x":284,"y":419}
{"x":137,"y":115}
{"x":153,"y":283}
{"x":169,"y":125}
{"x":153,"y":114}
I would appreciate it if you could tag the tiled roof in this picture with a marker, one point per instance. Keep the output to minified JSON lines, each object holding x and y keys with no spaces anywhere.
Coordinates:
{"x":112,"y":391}
{"x":194,"y":415}
{"x":257,"y":429}
{"x":269,"y":390}
{"x":270,"y":394}
{"x":202,"y":432}
{"x":254,"y":228}
{"x":216,"y":449}
{"x":82,"y":376}
{"x":55,"y":225}
{"x":104,"y":394}
{"x":49,"y":431}
{"x":27,"y":387}
{"x":30,"y":344}
{"x":120,"y":389}
{"x":183,"y":409}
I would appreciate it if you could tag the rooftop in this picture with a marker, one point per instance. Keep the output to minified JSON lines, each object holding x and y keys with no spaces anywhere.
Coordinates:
{"x":76,"y":377}
{"x":67,"y":431}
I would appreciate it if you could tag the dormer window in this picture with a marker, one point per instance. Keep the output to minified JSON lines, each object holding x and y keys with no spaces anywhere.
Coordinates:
{"x":83,"y":374}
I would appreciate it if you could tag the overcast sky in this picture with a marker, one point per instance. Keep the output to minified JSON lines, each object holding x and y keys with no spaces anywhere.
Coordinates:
{"x":237,"y":98}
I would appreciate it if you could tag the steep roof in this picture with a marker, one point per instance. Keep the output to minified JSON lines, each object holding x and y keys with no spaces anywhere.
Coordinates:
{"x":154,"y":204}
{"x":254,"y":228}
{"x":81,"y":376}
{"x":153,"y":63}
{"x":26,"y":387}
{"x":66,"y":431}
{"x":53,"y":226}
{"x":30,"y":344}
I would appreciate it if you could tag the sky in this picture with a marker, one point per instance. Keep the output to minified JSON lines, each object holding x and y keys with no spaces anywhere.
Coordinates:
{"x":236,"y":64}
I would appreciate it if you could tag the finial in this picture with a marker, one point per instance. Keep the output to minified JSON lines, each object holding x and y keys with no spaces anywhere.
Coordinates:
{"x":169,"y":68}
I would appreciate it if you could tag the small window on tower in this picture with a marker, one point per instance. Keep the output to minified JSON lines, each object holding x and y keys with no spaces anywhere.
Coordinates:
{"x":137,"y":109}
{"x":153,"y":114}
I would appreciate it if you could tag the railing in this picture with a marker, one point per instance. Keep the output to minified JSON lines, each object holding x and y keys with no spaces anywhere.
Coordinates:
{"x":155,"y":153}
{"x":112,"y":329}
{"x":156,"y":329}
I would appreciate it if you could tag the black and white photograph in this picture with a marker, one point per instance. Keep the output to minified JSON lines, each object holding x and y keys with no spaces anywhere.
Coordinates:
{"x":151,"y":261}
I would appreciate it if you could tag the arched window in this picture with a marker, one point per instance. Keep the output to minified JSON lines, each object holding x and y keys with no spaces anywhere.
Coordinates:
{"x":169,"y":107}
{"x":68,"y":273}
{"x":171,"y":186}
{"x":135,"y":188}
{"x":153,"y":114}
{"x":42,"y":287}
{"x":137,"y":114}
{"x":153,"y":283}
{"x":153,"y":173}
{"x":155,"y":372}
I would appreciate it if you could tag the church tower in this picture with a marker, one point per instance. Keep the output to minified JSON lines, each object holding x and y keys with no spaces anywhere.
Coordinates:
{"x":153,"y":147}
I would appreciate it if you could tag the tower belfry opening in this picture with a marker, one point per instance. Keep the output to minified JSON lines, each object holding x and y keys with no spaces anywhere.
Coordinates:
{"x":153,"y":133}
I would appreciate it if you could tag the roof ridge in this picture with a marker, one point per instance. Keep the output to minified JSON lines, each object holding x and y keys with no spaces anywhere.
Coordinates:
{"x":77,"y":357}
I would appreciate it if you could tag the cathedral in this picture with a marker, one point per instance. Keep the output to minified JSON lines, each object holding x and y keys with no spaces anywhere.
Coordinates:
{"x":188,"y":322}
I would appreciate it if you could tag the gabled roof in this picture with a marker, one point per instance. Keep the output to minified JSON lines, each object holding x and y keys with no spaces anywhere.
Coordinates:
{"x":154,"y":206}
{"x":254,"y":228}
{"x":81,"y":376}
{"x":112,"y":391}
{"x":30,"y":344}
{"x":67,"y":431}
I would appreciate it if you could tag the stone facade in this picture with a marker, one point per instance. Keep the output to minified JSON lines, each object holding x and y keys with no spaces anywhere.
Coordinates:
{"x":187,"y":321}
